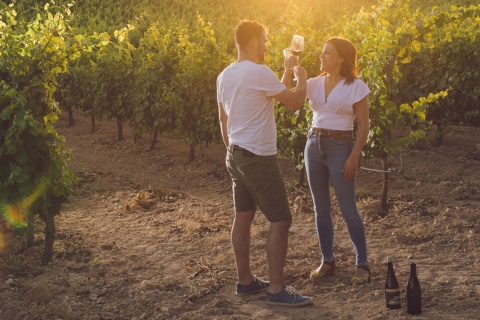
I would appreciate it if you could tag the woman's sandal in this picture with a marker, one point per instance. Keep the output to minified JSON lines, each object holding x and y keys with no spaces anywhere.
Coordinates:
{"x":327,"y":267}
{"x":359,"y":280}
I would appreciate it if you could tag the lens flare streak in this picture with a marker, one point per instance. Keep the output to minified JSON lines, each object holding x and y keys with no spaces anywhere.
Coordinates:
{"x":16,"y":214}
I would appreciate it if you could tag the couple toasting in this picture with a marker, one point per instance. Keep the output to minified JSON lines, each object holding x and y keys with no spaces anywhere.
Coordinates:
{"x":246,"y":90}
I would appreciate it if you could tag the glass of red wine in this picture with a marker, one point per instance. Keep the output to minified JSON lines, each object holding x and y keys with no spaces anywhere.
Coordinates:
{"x":296,"y":46}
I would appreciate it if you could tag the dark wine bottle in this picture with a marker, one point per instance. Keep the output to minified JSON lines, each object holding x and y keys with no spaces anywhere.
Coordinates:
{"x":392,"y":289}
{"x":414,"y":293}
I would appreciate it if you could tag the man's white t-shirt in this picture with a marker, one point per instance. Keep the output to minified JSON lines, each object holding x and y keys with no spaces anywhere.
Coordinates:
{"x":336,"y":112}
{"x":245,"y":90}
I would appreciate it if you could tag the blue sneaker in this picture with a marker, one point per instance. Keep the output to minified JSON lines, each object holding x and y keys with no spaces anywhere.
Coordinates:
{"x":288,"y":297}
{"x":257,"y":285}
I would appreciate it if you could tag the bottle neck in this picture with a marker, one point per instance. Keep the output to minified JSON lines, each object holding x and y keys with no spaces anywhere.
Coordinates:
{"x":413,"y":272}
{"x":390,"y":266}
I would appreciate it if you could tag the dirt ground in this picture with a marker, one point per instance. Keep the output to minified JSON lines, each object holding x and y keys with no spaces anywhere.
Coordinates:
{"x":146,"y":236}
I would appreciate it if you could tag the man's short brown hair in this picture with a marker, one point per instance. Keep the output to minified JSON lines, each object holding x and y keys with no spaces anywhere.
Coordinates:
{"x":247,"y":30}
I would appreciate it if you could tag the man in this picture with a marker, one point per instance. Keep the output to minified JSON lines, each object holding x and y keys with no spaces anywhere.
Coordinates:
{"x":245,"y":92}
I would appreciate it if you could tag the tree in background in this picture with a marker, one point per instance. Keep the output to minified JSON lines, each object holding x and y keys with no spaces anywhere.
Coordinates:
{"x":387,"y":36}
{"x":34,"y":175}
{"x":157,"y":70}
{"x":448,"y":60}
{"x":155,"y":99}
{"x":201,"y":59}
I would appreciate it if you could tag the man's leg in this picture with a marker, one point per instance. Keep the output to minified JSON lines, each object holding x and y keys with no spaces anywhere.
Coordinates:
{"x":277,"y":245}
{"x":240,"y":238}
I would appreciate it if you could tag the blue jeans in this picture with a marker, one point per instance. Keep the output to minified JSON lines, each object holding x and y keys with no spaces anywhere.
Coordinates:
{"x":324,"y":160}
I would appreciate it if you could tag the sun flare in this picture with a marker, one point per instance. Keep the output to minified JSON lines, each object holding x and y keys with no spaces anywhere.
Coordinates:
{"x":16,"y":214}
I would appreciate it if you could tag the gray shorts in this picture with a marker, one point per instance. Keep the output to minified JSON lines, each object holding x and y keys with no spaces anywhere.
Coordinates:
{"x":257,"y":181}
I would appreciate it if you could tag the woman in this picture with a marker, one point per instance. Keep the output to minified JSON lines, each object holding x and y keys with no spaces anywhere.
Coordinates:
{"x":336,"y":97}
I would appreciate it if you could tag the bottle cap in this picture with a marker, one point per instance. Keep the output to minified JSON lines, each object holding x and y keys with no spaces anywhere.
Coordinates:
{"x":389,"y":259}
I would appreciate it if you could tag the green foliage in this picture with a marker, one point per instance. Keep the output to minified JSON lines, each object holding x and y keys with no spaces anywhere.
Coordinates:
{"x":448,"y":61}
{"x":292,"y":126}
{"x":115,"y":74}
{"x":161,"y":76}
{"x":157,"y":67}
{"x":292,"y":129}
{"x":392,"y":41}
{"x":154,"y":97}
{"x":444,"y":5}
{"x":34,"y":162}
{"x":387,"y":36}
{"x":195,"y":82}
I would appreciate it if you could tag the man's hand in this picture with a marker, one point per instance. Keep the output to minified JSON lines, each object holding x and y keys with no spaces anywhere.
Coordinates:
{"x":290,"y":63}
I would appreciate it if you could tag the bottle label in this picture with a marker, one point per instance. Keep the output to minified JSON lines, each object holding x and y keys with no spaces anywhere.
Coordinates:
{"x":392,"y":297}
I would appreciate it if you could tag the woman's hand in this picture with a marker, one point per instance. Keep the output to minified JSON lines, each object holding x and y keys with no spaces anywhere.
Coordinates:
{"x":300,"y":72}
{"x":350,"y":168}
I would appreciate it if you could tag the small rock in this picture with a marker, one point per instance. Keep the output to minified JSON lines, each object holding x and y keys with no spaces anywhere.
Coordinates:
{"x":148,"y":285}
{"x":164,"y":309}
{"x":106,"y":247}
{"x":10,"y":282}
{"x":418,"y":184}
{"x":71,"y":250}
{"x":103,"y":292}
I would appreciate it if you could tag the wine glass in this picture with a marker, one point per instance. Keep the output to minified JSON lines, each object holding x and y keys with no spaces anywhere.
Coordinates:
{"x":296,"y":47}
{"x":289,"y":56}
